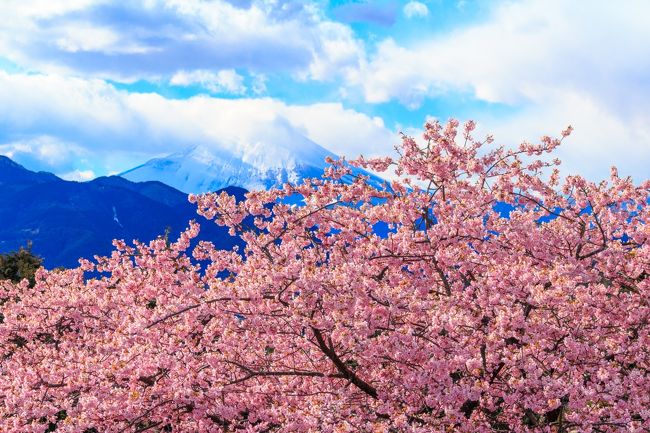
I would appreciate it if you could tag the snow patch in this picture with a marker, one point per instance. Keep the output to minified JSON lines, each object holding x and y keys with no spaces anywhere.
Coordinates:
{"x":115,"y":218}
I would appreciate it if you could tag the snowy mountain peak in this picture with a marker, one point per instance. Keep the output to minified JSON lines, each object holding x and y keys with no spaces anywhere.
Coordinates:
{"x":253,"y":165}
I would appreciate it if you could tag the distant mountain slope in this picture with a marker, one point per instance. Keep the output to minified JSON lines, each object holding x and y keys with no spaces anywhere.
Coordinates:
{"x":67,"y":220}
{"x":200,"y":169}
{"x":13,"y":175}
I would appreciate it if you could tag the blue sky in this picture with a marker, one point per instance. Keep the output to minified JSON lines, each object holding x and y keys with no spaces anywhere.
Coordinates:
{"x":94,"y":87}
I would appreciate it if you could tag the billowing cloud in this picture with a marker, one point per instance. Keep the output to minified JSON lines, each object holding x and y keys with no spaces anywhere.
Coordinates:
{"x":554,"y":62}
{"x":153,"y":40}
{"x":345,"y":131}
{"x":47,"y":116}
{"x":415,"y":9}
{"x":524,"y":49}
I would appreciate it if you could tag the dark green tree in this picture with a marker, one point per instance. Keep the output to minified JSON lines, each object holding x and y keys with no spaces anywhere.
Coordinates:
{"x":20,"y":264}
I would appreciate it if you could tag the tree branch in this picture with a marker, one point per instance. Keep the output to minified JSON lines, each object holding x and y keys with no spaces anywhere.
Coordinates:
{"x":340,"y":365}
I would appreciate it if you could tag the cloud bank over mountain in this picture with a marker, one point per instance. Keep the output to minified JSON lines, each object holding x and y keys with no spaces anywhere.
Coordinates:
{"x":82,"y":124}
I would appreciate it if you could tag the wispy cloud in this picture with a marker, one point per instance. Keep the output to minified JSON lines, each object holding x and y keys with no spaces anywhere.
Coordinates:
{"x":225,"y":81}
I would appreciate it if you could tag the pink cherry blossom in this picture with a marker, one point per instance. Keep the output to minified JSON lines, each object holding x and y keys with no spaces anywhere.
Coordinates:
{"x":456,"y":320}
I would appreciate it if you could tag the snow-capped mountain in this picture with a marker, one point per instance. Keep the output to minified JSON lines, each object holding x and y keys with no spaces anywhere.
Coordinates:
{"x":256,"y":165}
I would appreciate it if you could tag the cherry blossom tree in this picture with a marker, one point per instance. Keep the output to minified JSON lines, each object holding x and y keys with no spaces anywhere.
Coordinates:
{"x":457,"y":319}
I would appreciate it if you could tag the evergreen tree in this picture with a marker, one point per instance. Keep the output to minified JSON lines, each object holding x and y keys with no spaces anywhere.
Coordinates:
{"x":20,"y":264}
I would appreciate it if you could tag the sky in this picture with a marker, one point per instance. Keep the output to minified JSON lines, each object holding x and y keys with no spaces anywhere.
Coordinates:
{"x":95,"y":87}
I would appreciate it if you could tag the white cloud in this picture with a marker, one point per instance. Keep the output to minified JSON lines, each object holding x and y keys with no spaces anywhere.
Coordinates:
{"x":336,"y":52}
{"x":121,"y":130}
{"x":343,"y":131}
{"x":63,"y":121}
{"x":414,"y":9}
{"x":128,"y":41}
{"x":228,"y":122}
{"x":47,"y":152}
{"x":47,"y":149}
{"x":521,"y":51}
{"x":554,"y":62}
{"x":600,"y":140}
{"x":225,"y":81}
{"x":79,"y":175}
{"x":85,"y":38}
{"x":57,"y":105}
{"x":41,"y":8}
{"x":259,"y":84}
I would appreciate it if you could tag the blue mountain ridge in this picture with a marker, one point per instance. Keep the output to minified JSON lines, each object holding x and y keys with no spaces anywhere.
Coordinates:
{"x":67,"y":220}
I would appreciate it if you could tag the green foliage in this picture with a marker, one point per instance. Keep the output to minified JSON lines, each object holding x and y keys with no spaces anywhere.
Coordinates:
{"x":20,"y":264}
